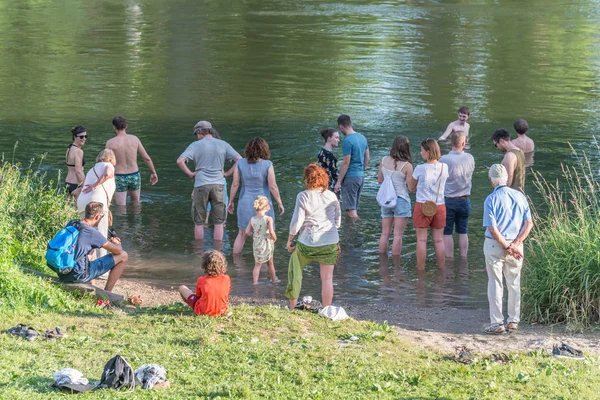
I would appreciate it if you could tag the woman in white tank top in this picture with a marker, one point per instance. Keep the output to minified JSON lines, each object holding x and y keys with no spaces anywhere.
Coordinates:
{"x":398,"y":165}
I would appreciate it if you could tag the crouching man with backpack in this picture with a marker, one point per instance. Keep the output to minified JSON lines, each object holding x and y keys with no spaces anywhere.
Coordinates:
{"x":68,"y":253}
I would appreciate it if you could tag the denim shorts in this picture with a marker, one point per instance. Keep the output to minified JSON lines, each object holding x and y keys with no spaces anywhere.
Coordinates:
{"x":95,"y":268}
{"x":457,"y":215}
{"x":402,"y":209}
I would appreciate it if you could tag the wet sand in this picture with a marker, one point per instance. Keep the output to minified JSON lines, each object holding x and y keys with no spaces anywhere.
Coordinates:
{"x":439,"y":328}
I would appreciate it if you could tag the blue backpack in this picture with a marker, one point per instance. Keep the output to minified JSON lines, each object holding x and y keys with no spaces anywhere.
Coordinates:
{"x":60,"y":254}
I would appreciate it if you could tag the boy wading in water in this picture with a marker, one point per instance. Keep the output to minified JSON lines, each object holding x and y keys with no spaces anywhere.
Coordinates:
{"x":460,"y":125}
{"x":127,"y":175}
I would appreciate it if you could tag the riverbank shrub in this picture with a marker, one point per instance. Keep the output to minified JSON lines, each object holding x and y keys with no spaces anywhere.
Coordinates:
{"x":561,"y":278}
{"x":32,"y":210}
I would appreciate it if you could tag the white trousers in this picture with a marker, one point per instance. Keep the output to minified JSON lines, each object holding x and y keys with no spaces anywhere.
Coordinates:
{"x":498,"y":264}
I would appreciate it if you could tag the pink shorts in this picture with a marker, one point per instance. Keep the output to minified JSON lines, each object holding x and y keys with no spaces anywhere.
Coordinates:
{"x":438,"y":221}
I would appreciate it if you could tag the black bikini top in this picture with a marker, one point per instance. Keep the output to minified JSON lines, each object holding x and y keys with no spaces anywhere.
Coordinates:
{"x":72,"y":165}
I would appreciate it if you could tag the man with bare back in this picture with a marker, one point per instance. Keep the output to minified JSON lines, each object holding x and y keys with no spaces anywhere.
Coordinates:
{"x":524,"y":142}
{"x":460,"y":125}
{"x":127,"y":175}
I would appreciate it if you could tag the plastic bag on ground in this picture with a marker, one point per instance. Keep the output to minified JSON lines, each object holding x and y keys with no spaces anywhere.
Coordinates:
{"x":333,"y":313}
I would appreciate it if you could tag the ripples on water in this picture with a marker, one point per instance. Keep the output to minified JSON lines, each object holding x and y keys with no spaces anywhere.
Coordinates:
{"x":284,"y":70}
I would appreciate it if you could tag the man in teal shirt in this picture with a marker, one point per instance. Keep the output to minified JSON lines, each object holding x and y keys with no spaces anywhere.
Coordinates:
{"x":355,"y":150}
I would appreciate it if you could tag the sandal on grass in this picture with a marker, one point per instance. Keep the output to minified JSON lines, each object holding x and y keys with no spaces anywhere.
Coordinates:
{"x":24,"y":331}
{"x":495,"y":329}
{"x":53,"y":334}
{"x":135,"y":300}
{"x":464,"y":355}
{"x":501,"y":358}
{"x":563,"y":350}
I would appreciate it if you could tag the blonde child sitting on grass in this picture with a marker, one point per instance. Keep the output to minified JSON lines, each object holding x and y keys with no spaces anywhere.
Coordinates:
{"x":260,"y":227}
{"x":212,"y":289}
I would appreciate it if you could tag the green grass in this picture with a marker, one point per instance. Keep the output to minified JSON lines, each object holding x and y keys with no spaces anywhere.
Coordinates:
{"x":268,"y":352}
{"x":561,"y":278}
{"x":31,"y":212}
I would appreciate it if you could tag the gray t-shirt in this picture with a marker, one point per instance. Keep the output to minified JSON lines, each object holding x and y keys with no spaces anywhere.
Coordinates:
{"x":209,"y":155}
{"x":460,"y":173}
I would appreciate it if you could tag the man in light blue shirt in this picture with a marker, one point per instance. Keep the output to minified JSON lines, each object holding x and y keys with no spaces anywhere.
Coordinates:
{"x":355,"y":150}
{"x":507,"y":218}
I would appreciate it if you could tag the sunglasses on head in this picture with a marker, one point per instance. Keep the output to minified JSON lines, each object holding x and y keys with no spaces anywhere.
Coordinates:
{"x":83,"y":137}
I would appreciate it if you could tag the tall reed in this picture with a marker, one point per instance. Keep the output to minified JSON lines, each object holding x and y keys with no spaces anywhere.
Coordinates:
{"x":32,"y":210}
{"x":561,"y":277}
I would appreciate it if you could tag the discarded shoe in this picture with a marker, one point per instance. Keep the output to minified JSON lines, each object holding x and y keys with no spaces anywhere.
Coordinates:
{"x":24,"y":331}
{"x":464,"y":355}
{"x":312,"y":305}
{"x":54,"y":334}
{"x":501,"y":358}
{"x":563,"y":350}
{"x":106,"y":304}
{"x":135,"y":300}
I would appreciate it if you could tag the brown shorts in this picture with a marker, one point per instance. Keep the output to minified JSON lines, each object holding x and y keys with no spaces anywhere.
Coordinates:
{"x":202,"y":195}
{"x":438,"y":221}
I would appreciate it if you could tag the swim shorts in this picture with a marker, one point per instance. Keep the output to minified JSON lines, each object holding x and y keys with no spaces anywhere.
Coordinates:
{"x":128,"y":182}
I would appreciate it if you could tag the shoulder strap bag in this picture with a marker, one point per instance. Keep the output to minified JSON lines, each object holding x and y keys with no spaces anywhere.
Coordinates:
{"x":429,"y":208}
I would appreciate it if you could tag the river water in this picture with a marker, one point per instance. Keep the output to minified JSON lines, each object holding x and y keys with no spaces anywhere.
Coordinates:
{"x":283,"y":70}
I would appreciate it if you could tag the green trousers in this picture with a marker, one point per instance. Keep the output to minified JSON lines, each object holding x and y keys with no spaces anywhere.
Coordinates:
{"x":301,"y":257}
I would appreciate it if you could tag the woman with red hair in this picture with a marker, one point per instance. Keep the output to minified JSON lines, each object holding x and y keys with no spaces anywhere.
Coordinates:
{"x":316,"y":220}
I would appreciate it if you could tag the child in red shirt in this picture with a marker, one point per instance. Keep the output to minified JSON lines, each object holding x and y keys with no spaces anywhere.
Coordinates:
{"x":212,"y":289}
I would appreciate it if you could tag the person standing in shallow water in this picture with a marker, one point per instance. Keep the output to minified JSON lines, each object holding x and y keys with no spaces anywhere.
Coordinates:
{"x":457,"y":194}
{"x":352,"y":173}
{"x":326,"y":159}
{"x":209,"y":155}
{"x":256,"y":174}
{"x":127,"y":175}
{"x":398,"y":165}
{"x":75,"y":161}
{"x":460,"y":125}
{"x":524,"y":142}
{"x":429,"y":180}
{"x":513,"y":161}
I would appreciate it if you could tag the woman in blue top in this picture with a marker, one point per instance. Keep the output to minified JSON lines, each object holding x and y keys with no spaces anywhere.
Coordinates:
{"x":258,"y":178}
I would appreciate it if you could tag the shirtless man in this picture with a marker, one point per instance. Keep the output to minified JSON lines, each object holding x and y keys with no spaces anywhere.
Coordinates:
{"x":460,"y":125}
{"x":127,"y":175}
{"x":524,"y":142}
{"x":513,"y":161}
